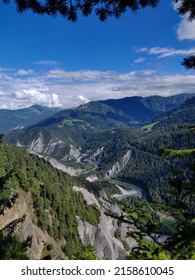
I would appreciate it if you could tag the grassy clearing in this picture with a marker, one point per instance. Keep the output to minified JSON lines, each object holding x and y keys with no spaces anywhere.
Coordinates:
{"x":149,"y":127}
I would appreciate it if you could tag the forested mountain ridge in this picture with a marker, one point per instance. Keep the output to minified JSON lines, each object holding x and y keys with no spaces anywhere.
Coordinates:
{"x":72,"y":141}
{"x":143,"y":108}
{"x":144,"y":168}
{"x":15,"y":119}
{"x":182,"y":114}
{"x":62,"y":135}
{"x":129,"y":111}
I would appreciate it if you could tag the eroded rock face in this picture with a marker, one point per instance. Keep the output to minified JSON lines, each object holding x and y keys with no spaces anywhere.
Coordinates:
{"x":40,"y":242}
{"x":71,"y":171}
{"x":42,"y":145}
{"x":16,"y":219}
{"x":109,"y":237}
{"x":58,"y":165}
{"x":96,"y":156}
{"x":92,"y":178}
{"x":74,"y":153}
{"x":37,"y":145}
{"x":13,"y":212}
{"x":89,"y":197}
{"x":118,"y":166}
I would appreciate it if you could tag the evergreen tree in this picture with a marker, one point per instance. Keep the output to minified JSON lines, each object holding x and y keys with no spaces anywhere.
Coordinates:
{"x":1,"y":137}
{"x":182,"y":191}
{"x":12,"y":249}
{"x":69,"y":9}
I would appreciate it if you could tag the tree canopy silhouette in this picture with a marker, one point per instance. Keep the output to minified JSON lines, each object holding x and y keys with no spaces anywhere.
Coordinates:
{"x":187,"y":7}
{"x":70,"y":8}
{"x":189,"y":62}
{"x":103,"y":9}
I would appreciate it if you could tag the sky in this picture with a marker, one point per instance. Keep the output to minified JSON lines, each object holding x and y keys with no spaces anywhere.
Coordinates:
{"x":52,"y":62}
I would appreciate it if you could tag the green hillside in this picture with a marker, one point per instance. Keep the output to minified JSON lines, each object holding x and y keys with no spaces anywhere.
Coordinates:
{"x":52,"y":202}
{"x":15,"y":119}
{"x":129,"y":111}
{"x":183,"y":114}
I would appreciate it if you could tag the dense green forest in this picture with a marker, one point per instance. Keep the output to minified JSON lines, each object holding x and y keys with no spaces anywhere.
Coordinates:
{"x":173,"y":219}
{"x":51,"y":192}
{"x":146,"y":168}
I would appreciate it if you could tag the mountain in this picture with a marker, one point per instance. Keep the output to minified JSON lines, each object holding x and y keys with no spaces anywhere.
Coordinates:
{"x":15,"y":119}
{"x":87,"y":144}
{"x":183,"y":114}
{"x":124,"y":154}
{"x":63,"y":134}
{"x":129,"y":111}
{"x":143,"y":108}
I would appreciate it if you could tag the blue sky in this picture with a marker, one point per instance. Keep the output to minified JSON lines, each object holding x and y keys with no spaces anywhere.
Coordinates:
{"x":53,"y":62}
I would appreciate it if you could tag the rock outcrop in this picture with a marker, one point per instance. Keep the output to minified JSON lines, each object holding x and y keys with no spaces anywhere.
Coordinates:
{"x":118,"y":166}
{"x":16,"y":218}
{"x":110,"y":238}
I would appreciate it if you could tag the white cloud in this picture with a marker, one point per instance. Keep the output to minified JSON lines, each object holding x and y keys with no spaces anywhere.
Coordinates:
{"x":186,"y":30}
{"x":4,"y":106}
{"x":83,"y":99}
{"x":46,"y":62}
{"x":70,"y":89}
{"x":23,"y":72}
{"x":147,"y":72}
{"x":34,"y":96}
{"x":139,"y":60}
{"x":84,"y":75}
{"x":2,"y":93}
{"x":165,"y":51}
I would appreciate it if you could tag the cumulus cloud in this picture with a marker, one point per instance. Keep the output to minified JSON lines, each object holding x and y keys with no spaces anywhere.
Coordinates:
{"x":70,"y":89}
{"x":186,"y":30}
{"x":139,"y":60}
{"x":165,"y":51}
{"x":4,"y":106}
{"x":23,"y":72}
{"x":34,"y":96}
{"x":83,"y":99}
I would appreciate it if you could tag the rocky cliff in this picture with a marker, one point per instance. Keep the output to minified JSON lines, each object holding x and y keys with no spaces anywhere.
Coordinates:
{"x":109,"y":238}
{"x":16,"y":217}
